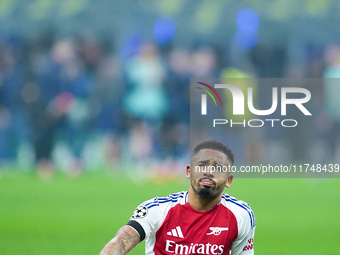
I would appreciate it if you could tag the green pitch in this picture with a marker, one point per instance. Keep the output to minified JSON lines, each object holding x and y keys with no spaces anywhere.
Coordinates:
{"x":78,"y":216}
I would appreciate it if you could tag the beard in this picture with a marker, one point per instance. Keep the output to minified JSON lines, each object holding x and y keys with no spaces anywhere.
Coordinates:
{"x":208,"y":192}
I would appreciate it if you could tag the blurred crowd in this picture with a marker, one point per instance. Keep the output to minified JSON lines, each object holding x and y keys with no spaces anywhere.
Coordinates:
{"x":73,"y":101}
{"x":77,"y":102}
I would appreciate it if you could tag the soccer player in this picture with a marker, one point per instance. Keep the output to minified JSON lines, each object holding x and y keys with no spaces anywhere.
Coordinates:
{"x":203,"y":220}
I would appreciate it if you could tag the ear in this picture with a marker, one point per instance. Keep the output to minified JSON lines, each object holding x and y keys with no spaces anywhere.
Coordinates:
{"x":188,"y":172}
{"x":229,"y":180}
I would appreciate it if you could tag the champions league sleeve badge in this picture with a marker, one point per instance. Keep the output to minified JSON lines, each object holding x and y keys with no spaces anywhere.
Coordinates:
{"x":140,"y":212}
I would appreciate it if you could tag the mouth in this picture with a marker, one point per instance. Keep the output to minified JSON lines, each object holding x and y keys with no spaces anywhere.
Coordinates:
{"x":207,"y":182}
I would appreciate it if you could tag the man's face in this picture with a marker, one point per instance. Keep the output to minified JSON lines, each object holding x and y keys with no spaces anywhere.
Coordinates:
{"x":208,"y":173}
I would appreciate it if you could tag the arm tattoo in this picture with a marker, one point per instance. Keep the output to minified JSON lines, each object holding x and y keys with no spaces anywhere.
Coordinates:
{"x":125,"y":239}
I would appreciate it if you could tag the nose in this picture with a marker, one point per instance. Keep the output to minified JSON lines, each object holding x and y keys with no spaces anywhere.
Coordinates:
{"x":209,"y":175}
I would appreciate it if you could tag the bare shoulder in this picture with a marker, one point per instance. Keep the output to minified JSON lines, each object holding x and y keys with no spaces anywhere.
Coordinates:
{"x":124,"y":241}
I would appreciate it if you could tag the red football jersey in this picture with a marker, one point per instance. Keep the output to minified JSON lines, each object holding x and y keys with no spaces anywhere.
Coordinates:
{"x":170,"y":226}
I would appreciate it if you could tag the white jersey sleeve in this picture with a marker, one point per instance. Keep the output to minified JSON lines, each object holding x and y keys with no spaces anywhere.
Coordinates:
{"x":149,"y":216}
{"x":244,"y":242}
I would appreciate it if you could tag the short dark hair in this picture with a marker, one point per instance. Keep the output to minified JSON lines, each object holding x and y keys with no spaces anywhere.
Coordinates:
{"x":215,"y":145}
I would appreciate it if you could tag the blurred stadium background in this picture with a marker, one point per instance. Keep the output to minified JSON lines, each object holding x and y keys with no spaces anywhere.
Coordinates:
{"x":94,"y":114}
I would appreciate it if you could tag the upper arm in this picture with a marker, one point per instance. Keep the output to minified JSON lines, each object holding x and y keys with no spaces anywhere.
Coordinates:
{"x":125,"y":239}
{"x":142,"y":224}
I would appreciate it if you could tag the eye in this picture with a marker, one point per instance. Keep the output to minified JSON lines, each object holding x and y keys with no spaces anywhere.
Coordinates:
{"x":218,"y":168}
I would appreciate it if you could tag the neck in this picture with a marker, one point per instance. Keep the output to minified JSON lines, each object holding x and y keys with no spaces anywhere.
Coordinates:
{"x":201,"y":204}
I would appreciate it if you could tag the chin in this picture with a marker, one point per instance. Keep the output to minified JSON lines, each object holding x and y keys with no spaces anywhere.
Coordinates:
{"x":206,"y":193}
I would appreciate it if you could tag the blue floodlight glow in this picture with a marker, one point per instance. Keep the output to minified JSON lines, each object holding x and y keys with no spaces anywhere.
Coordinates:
{"x":247,"y":20}
{"x":164,"y":31}
{"x":246,"y":41}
